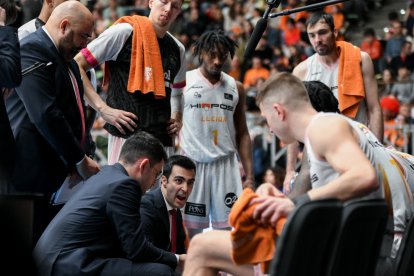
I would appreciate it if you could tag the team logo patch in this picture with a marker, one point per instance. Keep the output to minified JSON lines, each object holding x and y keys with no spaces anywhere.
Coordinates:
{"x":148,"y":73}
{"x":230,"y":199}
{"x":228,"y":96}
{"x":197,"y":95}
{"x":195,"y":209}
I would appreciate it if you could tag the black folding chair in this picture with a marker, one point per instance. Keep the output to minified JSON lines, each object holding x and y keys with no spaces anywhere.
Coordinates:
{"x":358,"y":246}
{"x":307,"y":240}
{"x":404,"y":264}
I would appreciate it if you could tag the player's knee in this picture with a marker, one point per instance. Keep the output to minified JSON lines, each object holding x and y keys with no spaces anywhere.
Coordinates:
{"x":197,"y":242}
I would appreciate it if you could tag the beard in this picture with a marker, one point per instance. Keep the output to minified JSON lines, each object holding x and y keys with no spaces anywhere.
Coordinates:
{"x":325,"y":49}
{"x":67,"y":48}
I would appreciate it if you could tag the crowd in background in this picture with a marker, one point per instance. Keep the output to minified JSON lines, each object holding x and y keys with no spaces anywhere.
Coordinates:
{"x":283,"y":46}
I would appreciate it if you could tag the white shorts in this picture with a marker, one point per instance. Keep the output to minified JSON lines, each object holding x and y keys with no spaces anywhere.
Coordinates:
{"x":115,"y":145}
{"x":217,"y":186}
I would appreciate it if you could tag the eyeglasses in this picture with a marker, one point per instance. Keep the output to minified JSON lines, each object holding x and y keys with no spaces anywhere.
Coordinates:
{"x":158,"y":175}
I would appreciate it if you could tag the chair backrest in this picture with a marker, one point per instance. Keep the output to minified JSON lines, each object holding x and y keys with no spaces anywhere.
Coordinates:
{"x":307,"y":240}
{"x":362,"y":231}
{"x":404,"y":264}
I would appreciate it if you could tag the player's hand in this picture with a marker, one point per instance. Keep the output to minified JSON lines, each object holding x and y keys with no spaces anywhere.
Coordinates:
{"x":271,"y":209}
{"x":2,"y":17}
{"x":181,"y":263}
{"x":173,"y":127}
{"x":87,"y":167}
{"x":119,"y":118}
{"x":249,"y":183}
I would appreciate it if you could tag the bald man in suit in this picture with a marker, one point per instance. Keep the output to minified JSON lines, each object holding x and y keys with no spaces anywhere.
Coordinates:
{"x":47,"y":111}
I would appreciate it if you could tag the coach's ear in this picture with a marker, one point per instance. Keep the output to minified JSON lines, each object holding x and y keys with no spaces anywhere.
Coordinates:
{"x":280,"y":111}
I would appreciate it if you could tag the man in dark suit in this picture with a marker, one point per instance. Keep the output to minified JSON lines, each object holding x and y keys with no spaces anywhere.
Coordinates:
{"x":47,"y":111}
{"x":10,"y":77}
{"x":15,"y":249}
{"x":158,"y":206}
{"x":98,"y":231}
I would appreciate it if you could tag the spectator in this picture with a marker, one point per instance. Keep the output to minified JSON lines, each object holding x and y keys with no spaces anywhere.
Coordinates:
{"x":274,"y":176}
{"x":386,"y":82}
{"x":256,"y":72}
{"x":291,"y":34}
{"x":403,"y":88}
{"x":392,"y":135}
{"x":395,"y":41}
{"x":406,"y":58}
{"x":373,"y":47}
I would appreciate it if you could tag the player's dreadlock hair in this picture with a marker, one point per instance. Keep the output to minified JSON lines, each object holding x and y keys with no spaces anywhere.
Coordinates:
{"x":211,"y":40}
{"x":321,"y":97}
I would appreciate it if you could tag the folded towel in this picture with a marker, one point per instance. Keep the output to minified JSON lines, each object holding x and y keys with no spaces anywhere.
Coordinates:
{"x":252,"y":243}
{"x":146,"y":73}
{"x":351,"y":89}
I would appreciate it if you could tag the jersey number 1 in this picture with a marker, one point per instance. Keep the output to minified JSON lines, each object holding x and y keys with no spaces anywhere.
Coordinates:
{"x":215,"y":137}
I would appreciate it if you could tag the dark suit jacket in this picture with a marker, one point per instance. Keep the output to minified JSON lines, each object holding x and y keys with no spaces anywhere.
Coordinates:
{"x":10,"y":76}
{"x":156,"y":223}
{"x":10,"y":68}
{"x":45,"y":118}
{"x":98,"y":231}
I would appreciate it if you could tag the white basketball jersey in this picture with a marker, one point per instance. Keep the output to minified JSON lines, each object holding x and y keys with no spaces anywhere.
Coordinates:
{"x":395,"y":171}
{"x":208,"y":131}
{"x":317,"y":71}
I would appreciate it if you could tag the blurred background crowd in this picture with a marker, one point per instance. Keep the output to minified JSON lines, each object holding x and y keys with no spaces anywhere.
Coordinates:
{"x":382,"y":28}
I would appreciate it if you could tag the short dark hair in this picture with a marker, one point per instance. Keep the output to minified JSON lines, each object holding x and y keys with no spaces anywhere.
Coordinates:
{"x":320,"y":15}
{"x":321,"y":97}
{"x":11,"y":10}
{"x":369,"y":32}
{"x":393,"y":15}
{"x":178,"y":160}
{"x":142,"y":145}
{"x":211,"y":40}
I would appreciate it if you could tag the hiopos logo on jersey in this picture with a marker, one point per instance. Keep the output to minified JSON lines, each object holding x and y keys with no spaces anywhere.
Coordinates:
{"x":209,"y":106}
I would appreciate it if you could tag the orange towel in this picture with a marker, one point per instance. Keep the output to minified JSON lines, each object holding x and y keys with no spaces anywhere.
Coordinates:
{"x":252,"y":243}
{"x":145,"y":73}
{"x":351,"y":89}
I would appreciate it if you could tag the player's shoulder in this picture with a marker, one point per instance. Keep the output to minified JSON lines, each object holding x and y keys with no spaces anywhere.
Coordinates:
{"x":301,"y":69}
